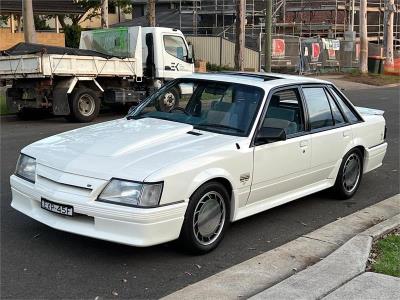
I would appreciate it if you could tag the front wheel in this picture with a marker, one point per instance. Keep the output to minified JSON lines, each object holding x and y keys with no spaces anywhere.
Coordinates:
{"x":206,"y":218}
{"x":349,"y":176}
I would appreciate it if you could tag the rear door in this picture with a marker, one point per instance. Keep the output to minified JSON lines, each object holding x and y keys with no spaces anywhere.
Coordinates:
{"x":330,"y":132}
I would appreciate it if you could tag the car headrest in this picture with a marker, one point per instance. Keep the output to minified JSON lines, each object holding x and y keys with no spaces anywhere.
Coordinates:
{"x":274,"y":100}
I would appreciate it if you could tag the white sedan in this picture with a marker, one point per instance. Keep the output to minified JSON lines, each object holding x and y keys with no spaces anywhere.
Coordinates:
{"x":200,"y":153}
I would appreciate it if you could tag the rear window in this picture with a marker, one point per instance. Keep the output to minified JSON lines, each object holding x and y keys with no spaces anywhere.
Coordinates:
{"x":319,"y":109}
{"x":351,"y":116}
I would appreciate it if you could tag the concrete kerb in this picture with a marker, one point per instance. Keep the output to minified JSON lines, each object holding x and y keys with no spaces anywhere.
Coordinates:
{"x":264,"y":272}
{"x":343,"y":265}
{"x":342,"y":83}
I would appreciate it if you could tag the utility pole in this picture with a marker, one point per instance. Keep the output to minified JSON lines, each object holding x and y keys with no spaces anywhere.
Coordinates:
{"x":268,"y":36}
{"x":240,"y":34}
{"x":151,"y":13}
{"x":104,"y":13}
{"x":29,"y":24}
{"x":389,"y":14}
{"x":363,"y":37}
{"x":352,"y":15}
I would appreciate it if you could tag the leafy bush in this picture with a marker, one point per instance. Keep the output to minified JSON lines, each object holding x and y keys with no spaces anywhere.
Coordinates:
{"x":217,"y":68}
{"x":72,"y":35}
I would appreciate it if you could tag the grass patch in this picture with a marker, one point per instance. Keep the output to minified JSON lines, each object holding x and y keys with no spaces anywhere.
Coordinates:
{"x":3,"y":106}
{"x":372,"y":79}
{"x":387,"y":260}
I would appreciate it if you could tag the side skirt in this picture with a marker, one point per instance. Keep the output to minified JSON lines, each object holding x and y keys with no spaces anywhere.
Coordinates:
{"x":274,"y":201}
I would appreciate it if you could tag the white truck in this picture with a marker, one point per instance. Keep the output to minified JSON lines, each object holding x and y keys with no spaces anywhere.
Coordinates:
{"x":111,"y":66}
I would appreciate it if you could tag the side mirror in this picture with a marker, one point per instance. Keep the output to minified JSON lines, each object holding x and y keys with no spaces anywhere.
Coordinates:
{"x":190,"y":57}
{"x":269,"y":135}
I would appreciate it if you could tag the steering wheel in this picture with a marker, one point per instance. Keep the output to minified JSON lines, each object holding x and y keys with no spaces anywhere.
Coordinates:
{"x":180,"y":109}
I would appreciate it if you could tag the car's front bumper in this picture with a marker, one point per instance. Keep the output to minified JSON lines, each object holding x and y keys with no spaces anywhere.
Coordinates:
{"x":131,"y":226}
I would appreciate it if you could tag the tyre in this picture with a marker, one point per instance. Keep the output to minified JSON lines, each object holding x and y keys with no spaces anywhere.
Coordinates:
{"x":206,"y":218}
{"x":84,"y":105}
{"x":349,"y":176}
{"x":168,"y":101}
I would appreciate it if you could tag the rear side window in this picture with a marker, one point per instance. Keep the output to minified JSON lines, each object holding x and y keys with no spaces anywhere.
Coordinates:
{"x":347,"y":111}
{"x":337,"y":115}
{"x":318,"y":106}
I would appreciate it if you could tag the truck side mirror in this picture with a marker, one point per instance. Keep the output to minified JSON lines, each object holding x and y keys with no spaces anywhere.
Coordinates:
{"x":190,"y":58}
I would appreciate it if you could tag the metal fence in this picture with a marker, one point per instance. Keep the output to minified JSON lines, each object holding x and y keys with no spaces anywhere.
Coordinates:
{"x":312,"y":55}
{"x":290,"y":54}
{"x":221,"y":52}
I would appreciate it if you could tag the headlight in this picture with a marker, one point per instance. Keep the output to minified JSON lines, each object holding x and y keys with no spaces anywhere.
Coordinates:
{"x":131,"y":193}
{"x":26,"y":167}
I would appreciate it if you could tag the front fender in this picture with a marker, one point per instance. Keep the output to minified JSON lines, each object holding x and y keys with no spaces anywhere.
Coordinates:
{"x":207,"y":175}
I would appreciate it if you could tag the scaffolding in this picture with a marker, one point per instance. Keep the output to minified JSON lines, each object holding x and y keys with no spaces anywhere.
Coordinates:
{"x":323,"y":18}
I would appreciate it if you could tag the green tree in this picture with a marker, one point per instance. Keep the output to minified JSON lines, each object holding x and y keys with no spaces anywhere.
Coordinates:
{"x":41,"y":23}
{"x":72,"y":35}
{"x":92,"y":9}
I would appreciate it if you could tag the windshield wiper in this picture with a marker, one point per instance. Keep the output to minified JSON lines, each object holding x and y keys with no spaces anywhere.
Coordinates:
{"x":216,"y":125}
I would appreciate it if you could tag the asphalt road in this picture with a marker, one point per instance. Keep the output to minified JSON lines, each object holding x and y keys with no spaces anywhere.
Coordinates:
{"x":40,"y":262}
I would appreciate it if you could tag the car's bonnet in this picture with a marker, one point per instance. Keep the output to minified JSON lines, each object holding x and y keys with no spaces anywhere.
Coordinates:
{"x":130,"y":149}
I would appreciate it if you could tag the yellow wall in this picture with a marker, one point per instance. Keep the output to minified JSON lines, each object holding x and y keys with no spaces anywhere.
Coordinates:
{"x":8,"y":39}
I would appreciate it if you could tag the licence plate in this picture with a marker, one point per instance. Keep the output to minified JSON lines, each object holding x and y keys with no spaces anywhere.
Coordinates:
{"x":61,"y":209}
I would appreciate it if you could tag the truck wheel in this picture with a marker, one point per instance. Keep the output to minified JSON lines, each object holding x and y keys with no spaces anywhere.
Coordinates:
{"x":169,"y":100}
{"x":85,"y":105}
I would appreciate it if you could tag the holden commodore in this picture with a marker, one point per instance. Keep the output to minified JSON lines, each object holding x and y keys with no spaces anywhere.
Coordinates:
{"x":201,"y":152}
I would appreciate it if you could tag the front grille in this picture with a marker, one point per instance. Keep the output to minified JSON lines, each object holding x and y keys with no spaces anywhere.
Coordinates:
{"x":63,"y":187}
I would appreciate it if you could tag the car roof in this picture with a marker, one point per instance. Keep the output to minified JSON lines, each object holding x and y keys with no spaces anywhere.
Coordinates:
{"x":263,"y":80}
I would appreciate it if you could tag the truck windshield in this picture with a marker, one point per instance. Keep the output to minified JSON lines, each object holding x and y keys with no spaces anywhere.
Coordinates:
{"x":222,"y":107}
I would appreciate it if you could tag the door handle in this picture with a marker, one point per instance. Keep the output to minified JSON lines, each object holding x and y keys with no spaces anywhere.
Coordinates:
{"x":303,"y":144}
{"x":346,"y":133}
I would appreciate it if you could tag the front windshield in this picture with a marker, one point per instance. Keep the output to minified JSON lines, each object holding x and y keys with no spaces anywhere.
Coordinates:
{"x":222,"y":107}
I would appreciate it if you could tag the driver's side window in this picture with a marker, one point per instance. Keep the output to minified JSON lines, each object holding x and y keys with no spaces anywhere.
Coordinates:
{"x":285,"y":112}
{"x":175,"y":46}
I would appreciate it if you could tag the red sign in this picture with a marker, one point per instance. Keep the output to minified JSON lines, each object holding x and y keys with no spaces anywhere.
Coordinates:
{"x":331,"y":54}
{"x":357,"y":52}
{"x":316,"y":50}
{"x":278,"y":48}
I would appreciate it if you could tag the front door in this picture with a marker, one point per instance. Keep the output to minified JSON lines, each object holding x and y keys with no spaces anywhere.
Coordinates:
{"x":282,"y":166}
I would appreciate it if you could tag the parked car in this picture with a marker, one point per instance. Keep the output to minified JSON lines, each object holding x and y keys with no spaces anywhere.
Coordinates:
{"x":237,"y":144}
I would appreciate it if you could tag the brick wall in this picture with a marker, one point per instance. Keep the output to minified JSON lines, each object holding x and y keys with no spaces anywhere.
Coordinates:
{"x":8,"y":39}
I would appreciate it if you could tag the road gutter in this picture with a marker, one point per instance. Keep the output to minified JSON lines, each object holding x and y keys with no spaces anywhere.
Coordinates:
{"x":266,"y":270}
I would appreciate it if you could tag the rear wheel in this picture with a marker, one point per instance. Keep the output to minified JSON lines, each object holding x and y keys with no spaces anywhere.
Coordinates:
{"x":168,"y":100}
{"x":349,"y":176}
{"x":206,"y":218}
{"x":84,"y":105}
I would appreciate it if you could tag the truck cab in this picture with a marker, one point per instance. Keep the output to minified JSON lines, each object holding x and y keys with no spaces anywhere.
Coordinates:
{"x":164,"y":52}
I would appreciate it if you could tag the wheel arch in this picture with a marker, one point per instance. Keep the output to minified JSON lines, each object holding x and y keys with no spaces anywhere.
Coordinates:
{"x":363,"y":151}
{"x":224,"y":180}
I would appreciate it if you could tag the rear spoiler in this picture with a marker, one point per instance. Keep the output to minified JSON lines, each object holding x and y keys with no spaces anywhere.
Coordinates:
{"x":369,"y":111}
